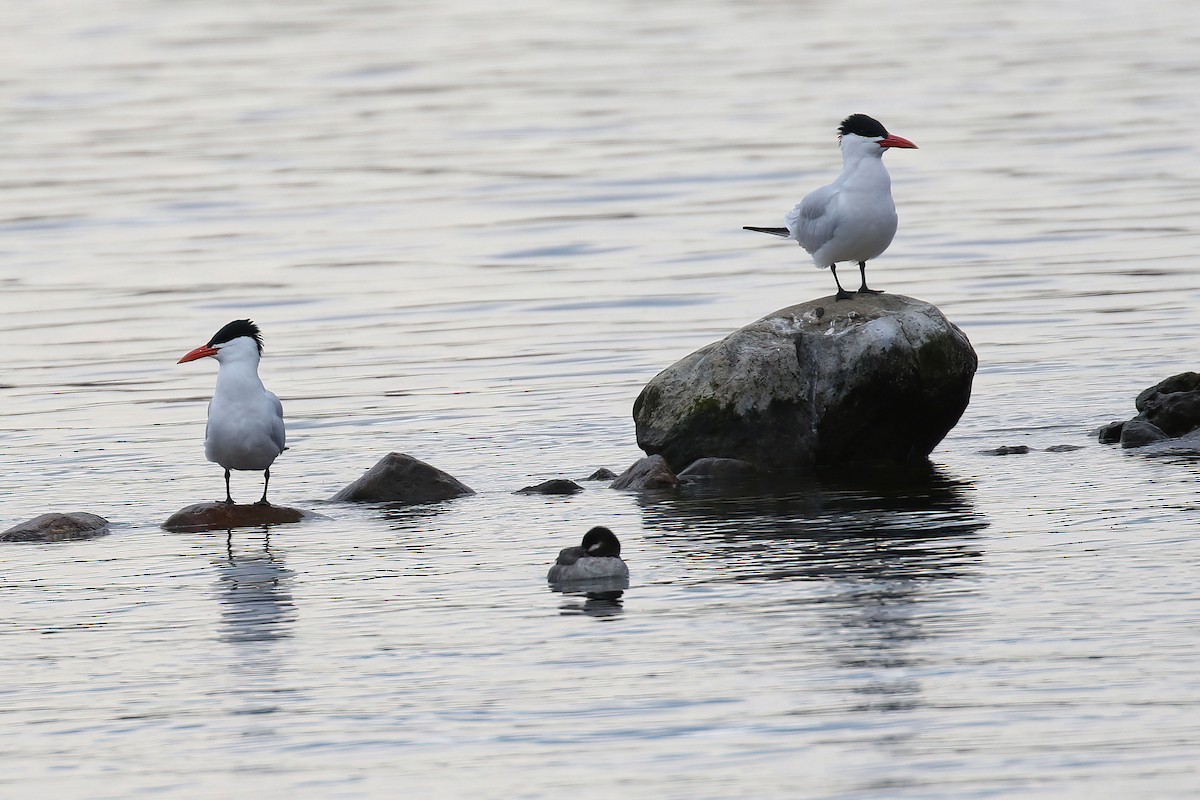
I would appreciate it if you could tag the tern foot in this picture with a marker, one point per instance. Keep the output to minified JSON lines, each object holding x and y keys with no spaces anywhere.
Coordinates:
{"x":263,"y":502}
{"x":844,"y":295}
{"x":227,"y":501}
{"x":865,"y":290}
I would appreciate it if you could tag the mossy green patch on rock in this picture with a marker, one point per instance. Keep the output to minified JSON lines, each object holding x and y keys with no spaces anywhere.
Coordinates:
{"x":880,"y":378}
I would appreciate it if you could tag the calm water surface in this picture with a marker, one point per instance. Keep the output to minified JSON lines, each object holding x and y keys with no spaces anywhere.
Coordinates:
{"x":472,"y":232}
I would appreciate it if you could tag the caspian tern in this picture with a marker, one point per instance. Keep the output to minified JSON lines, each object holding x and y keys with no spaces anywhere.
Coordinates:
{"x":853,"y":218}
{"x":599,"y":556}
{"x":245,"y":421}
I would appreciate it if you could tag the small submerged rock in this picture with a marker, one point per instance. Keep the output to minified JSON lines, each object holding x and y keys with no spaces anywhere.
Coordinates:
{"x":400,"y":478}
{"x":1007,"y":450}
{"x":719,"y":469}
{"x":57,"y":527}
{"x":651,"y":472}
{"x":217,"y":515}
{"x":553,"y":486}
{"x":602,"y":474}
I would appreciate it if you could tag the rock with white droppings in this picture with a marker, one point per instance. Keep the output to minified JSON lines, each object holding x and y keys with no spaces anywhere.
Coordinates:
{"x":877,"y":378}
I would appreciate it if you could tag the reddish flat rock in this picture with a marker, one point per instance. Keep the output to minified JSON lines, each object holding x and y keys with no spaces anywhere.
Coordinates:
{"x":222,"y":516}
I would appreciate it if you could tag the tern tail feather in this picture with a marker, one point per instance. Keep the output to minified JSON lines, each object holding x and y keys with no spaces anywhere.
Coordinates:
{"x":784,"y":232}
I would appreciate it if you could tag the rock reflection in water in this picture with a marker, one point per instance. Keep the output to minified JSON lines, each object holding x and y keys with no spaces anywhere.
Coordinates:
{"x":884,"y":546}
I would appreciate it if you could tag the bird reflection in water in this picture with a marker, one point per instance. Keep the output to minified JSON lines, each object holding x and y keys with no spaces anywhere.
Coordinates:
{"x":256,"y":601}
{"x":257,"y":615}
{"x":597,"y":598}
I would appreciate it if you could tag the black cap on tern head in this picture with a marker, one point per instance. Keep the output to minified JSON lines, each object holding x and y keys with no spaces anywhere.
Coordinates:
{"x":862,"y":125}
{"x":239,"y":327}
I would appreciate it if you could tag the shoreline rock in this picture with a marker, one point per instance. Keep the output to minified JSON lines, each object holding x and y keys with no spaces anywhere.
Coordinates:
{"x":878,"y":379}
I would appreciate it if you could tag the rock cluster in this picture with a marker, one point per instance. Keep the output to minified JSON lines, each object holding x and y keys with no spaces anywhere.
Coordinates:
{"x":1168,"y":411}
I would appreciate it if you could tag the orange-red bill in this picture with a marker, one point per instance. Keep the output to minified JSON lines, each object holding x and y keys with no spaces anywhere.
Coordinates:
{"x":203,"y":351}
{"x":896,"y":141}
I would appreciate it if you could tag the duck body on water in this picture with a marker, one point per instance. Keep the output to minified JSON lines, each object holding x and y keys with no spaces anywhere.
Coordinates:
{"x":245,"y":428}
{"x":598,"y":557}
{"x":853,"y":218}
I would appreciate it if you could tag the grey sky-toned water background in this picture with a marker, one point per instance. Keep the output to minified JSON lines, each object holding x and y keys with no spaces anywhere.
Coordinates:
{"x":471,"y":232}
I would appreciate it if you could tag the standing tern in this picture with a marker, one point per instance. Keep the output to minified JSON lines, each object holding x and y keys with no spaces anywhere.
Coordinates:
{"x":245,"y":421}
{"x":853,"y":218}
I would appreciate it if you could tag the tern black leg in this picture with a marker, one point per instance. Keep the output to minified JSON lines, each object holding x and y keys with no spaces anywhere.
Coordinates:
{"x":862,"y":270}
{"x":266,"y":482}
{"x":228,"y":496}
{"x":842,"y":293}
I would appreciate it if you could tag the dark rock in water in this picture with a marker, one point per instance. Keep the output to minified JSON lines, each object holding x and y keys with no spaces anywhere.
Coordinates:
{"x":1111,"y":433}
{"x":1138,"y":433}
{"x":1007,"y":450}
{"x":217,"y":515}
{"x":1183,"y":382}
{"x":1175,"y":414}
{"x":602,"y":474}
{"x":874,"y":379}
{"x":400,"y":478}
{"x":1183,"y":446}
{"x":56,"y":527}
{"x":554,"y":486}
{"x":1063,"y":448}
{"x":719,"y":468}
{"x":1170,"y":409}
{"x":651,"y":472}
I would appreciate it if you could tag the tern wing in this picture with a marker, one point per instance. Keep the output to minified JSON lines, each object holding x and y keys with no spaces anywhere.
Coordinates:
{"x":278,"y":436}
{"x":814,"y":219}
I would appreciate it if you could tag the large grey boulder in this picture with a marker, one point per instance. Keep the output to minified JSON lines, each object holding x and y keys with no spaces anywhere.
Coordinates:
{"x":400,"y":478}
{"x":879,"y":378}
{"x":56,"y":527}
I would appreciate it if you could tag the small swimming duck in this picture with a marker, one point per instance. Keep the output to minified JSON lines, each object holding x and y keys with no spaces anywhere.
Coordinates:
{"x":598,"y":557}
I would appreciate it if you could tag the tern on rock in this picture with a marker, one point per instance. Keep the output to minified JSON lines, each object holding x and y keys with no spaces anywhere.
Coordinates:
{"x":853,"y":218}
{"x":245,"y":421}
